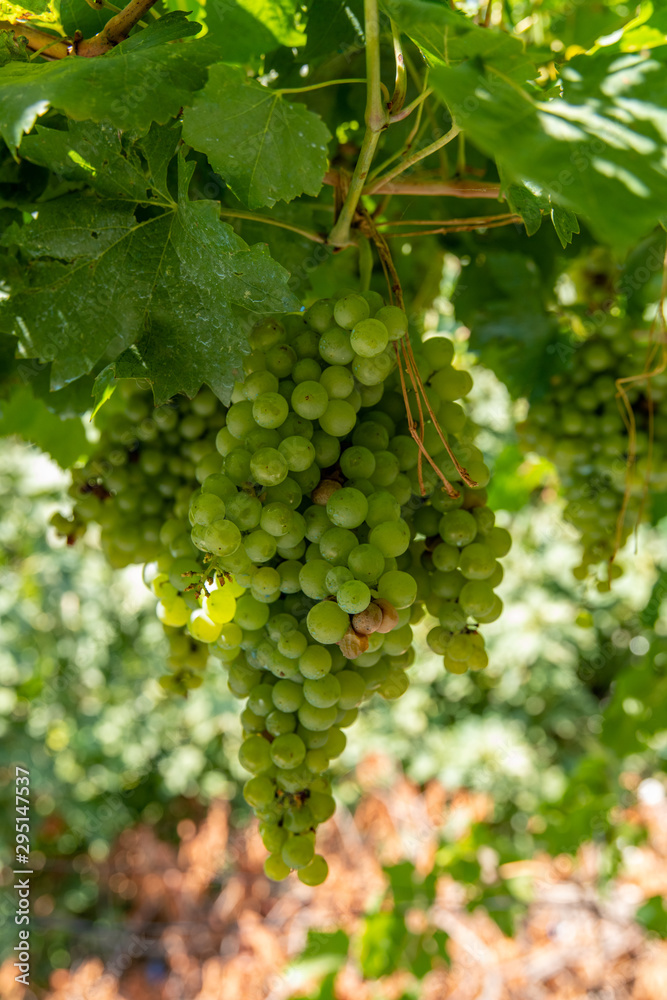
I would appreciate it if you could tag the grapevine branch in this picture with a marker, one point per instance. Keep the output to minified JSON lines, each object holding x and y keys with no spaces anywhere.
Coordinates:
{"x":376,"y":121}
{"x":114,"y":31}
{"x":52,"y":46}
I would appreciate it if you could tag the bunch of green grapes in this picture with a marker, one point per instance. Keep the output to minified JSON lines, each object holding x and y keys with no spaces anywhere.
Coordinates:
{"x":582,"y":427}
{"x":315,"y":513}
{"x":137,"y":487}
{"x":298,"y":536}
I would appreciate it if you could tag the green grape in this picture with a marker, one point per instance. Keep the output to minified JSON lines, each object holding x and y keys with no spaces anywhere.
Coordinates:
{"x":327,"y":449}
{"x":338,"y":418}
{"x":336,"y":577}
{"x":259,"y":791}
{"x":275,"y":868}
{"x":312,"y":578}
{"x":297,"y":851}
{"x":298,"y":452}
{"x":350,"y":310}
{"x":306,"y":369}
{"x":315,"y":662}
{"x":288,"y":750}
{"x":477,"y":561}
{"x":335,"y":348}
{"x":382,"y":507}
{"x":287,"y":696}
{"x":357,"y":462}
{"x":353,"y":596}
{"x":320,"y":315}
{"x":392,"y":538}
{"x":366,"y":562}
{"x":338,"y":381}
{"x":398,"y":588}
{"x":322,"y":692}
{"x":336,"y":544}
{"x":477,"y":598}
{"x":244,"y":511}
{"x":458,"y":527}
{"x":268,"y":467}
{"x":347,"y":508}
{"x":317,"y":718}
{"x":394,"y":320}
{"x":269,"y":409}
{"x":310,"y":400}
{"x":369,"y":337}
{"x":254,"y":754}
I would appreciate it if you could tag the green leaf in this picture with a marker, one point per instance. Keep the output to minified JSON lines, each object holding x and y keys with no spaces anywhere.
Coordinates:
{"x":265,"y":148}
{"x":335,"y":26}
{"x":180,"y":285}
{"x":565,"y":224}
{"x":12,"y":49}
{"x":90,"y":153}
{"x":653,"y":916}
{"x":142,"y":80}
{"x":528,"y":205}
{"x":577,"y":149}
{"x":128,"y":365}
{"x":246,"y":30}
{"x":79,"y":15}
{"x":382,"y":943}
{"x":451,"y":37}
{"x":28,"y":417}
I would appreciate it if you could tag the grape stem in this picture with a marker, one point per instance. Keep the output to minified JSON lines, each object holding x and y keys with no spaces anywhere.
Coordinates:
{"x":421,"y":154}
{"x":427,"y":186}
{"x":50,"y":46}
{"x":376,"y":122}
{"x":413,"y":371}
{"x":265,"y":220}
{"x":401,"y":85}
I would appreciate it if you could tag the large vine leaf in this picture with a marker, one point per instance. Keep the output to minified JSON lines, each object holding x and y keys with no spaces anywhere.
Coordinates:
{"x":245,"y":30}
{"x":265,"y":148}
{"x":179,"y":283}
{"x":142,"y":80}
{"x":602,"y":143}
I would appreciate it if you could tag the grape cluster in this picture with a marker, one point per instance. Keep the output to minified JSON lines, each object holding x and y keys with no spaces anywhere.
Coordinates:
{"x":582,"y":427}
{"x":137,"y":487}
{"x":303,"y":532}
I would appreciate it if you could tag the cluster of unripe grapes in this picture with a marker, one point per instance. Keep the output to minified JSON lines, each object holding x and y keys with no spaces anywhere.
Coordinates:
{"x":583,"y":426}
{"x":306,"y":537}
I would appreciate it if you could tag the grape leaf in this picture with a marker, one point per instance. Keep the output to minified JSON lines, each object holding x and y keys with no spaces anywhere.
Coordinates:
{"x":565,"y":224}
{"x":91,"y":153}
{"x":144,"y":79}
{"x":180,"y":283}
{"x":335,"y":26}
{"x":265,"y":148}
{"x":451,"y":38}
{"x":79,"y":15}
{"x":29,"y":417}
{"x":601,"y":143}
{"x":246,"y":30}
{"x":582,"y":154}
